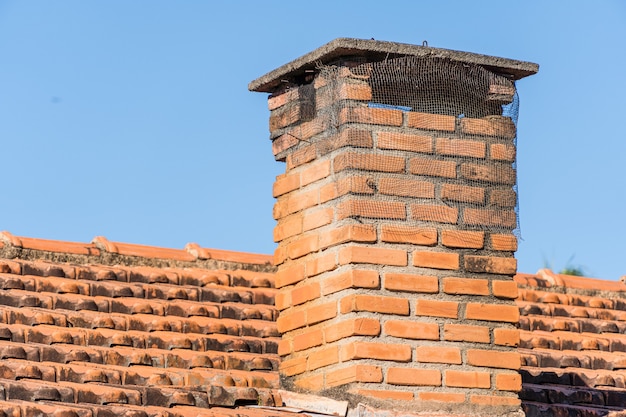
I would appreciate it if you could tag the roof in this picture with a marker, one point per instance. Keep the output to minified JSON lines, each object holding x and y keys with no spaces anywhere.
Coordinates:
{"x":108,"y":328}
{"x":375,"y":50}
{"x":115,"y":329}
{"x":573,"y":345}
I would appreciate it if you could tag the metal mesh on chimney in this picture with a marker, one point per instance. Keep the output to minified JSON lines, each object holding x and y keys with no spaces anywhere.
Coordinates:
{"x":455,"y":121}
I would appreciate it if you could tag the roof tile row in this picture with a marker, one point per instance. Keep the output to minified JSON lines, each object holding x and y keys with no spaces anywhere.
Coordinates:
{"x":84,"y":334}
{"x":164,"y":332}
{"x":191,"y":252}
{"x":573,"y":345}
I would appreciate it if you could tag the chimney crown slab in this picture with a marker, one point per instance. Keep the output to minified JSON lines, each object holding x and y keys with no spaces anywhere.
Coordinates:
{"x":373,"y":51}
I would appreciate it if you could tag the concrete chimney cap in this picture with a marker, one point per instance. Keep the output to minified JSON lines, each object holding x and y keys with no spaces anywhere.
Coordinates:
{"x":374,"y":50}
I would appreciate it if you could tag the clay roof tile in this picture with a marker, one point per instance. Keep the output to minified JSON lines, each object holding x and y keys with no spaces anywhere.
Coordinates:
{"x":150,"y":328}
{"x":224,"y":255}
{"x":572,"y":344}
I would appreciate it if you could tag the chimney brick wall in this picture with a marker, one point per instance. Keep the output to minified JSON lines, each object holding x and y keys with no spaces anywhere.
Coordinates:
{"x":395,"y":248}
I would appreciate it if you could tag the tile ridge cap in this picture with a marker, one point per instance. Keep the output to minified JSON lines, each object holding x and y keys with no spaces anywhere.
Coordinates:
{"x":101,"y":251}
{"x":228,"y":255}
{"x":9,"y":238}
{"x":547,"y":280}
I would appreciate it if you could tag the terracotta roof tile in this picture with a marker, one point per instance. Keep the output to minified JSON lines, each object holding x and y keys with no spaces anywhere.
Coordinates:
{"x":573,"y":345}
{"x":223,"y":255}
{"x":150,"y":332}
{"x":48,"y":245}
{"x":166,"y":332}
{"x":142,"y":250}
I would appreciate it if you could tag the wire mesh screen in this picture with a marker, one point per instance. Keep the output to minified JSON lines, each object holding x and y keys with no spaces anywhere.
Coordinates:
{"x":417,"y":141}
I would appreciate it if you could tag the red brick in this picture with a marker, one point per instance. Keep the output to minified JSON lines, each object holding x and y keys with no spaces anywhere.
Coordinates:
{"x":283,"y":299}
{"x":285,"y":183}
{"x":280,"y":255}
{"x":310,"y":382}
{"x":304,"y":154}
{"x":295,"y":366}
{"x":322,"y":357}
{"x":468,"y":286}
{"x":446,"y":397}
{"x":506,"y":337}
{"x":379,"y":351}
{"x":412,"y":330}
{"x":463,"y":193}
{"x":369,"y":115}
{"x":497,"y":90}
{"x":466,"y":333}
{"x":493,"y":359}
{"x":276,"y":101}
{"x":347,"y":233}
{"x":504,"y":242}
{"x":502,"y":152}
{"x":279,"y":210}
{"x":304,"y":131}
{"x":355,"y":138}
{"x":509,"y":382}
{"x":354,"y":373}
{"x":404,"y":142}
{"x":328,"y":192}
{"x":468,"y":379}
{"x":375,"y":304}
{"x":368,"y":162}
{"x":504,"y":289}
{"x":294,"y":202}
{"x":385,"y":394}
{"x":317,"y":218}
{"x":321,"y":312}
{"x":414,"y":377}
{"x":411,"y":283}
{"x":492,"y":400}
{"x":459,"y":147}
{"x":307,"y":340}
{"x":437,"y":308}
{"x":304,"y":293}
{"x":290,"y":321}
{"x":315,"y":172}
{"x":438,"y":354}
{"x":299,"y":200}
{"x":406,"y":188}
{"x":432,"y":167}
{"x":490,"y":264}
{"x":430,"y":121}
{"x":354,"y":278}
{"x":424,"y":236}
{"x":463,"y":239}
{"x":372,"y":255}
{"x":356,"y":184}
{"x":503,"y":198}
{"x":431,"y":213}
{"x":349,"y":91}
{"x":502,"y":218}
{"x":282,"y":143}
{"x":436,"y":260}
{"x":351,"y":327}
{"x":494,"y":126}
{"x":371,"y":209}
{"x":303,"y":246}
{"x":492,"y":312}
{"x":285,"y":116}
{"x":287,"y":275}
{"x":288,"y":227}
{"x":285,"y":346}
{"x":499,"y":174}
{"x":326,"y":261}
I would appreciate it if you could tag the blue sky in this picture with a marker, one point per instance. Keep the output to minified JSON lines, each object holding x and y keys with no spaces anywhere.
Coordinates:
{"x":132,"y":120}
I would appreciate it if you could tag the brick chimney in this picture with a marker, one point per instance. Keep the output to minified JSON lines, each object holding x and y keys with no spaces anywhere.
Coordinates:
{"x":396,"y":224}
